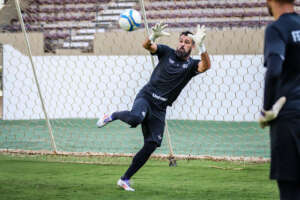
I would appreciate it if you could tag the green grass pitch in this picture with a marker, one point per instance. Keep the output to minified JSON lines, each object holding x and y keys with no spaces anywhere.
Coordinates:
{"x":33,"y":179}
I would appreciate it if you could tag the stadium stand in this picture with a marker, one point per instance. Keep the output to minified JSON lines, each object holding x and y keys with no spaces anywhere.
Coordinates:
{"x":77,"y":20}
{"x":71,"y":24}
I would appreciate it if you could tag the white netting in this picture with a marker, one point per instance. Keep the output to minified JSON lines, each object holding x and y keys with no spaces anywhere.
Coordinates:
{"x":87,"y":66}
{"x":89,"y":86}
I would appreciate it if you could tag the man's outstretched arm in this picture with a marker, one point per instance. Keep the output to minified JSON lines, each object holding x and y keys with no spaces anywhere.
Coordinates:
{"x":157,"y":31}
{"x":150,"y":46}
{"x":198,"y":38}
{"x":204,"y":64}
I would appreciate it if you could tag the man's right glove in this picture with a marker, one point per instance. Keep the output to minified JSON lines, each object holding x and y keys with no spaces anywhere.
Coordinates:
{"x":158,"y":31}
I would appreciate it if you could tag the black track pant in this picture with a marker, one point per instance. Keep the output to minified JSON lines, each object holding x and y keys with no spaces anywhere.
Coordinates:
{"x":289,"y":190}
{"x":140,"y":159}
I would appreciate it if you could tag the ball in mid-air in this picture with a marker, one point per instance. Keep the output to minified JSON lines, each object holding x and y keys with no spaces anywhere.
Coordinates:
{"x":130,"y":20}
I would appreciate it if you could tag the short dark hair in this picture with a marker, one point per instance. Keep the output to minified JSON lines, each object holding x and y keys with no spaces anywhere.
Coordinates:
{"x":186,"y":33}
{"x":286,"y":1}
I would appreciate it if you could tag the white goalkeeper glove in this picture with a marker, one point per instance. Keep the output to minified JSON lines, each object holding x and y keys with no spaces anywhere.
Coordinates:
{"x":199,"y":37}
{"x":158,"y":31}
{"x":268,"y":115}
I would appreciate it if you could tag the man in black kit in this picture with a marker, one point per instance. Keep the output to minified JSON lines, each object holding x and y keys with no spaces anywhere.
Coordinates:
{"x":173,"y":71}
{"x":282,"y":90}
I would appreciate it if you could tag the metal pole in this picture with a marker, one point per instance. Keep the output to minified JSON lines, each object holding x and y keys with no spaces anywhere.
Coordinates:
{"x":34,"y":74}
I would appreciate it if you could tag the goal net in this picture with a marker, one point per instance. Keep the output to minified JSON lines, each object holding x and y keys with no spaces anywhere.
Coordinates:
{"x":86,"y":67}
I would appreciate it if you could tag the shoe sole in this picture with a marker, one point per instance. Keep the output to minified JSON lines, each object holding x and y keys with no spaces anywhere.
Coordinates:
{"x":101,"y":125}
{"x":124,"y":188}
{"x":104,"y":124}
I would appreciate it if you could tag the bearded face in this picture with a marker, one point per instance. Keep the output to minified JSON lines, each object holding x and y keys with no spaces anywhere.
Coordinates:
{"x":182,"y":53}
{"x":184,"y":48}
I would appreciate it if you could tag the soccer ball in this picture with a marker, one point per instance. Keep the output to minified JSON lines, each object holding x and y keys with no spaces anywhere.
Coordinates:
{"x":130,"y":20}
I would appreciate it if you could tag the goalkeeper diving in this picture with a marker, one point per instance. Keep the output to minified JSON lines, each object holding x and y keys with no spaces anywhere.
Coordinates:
{"x":172,"y":73}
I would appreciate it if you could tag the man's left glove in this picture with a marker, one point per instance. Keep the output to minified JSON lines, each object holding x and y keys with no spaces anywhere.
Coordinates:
{"x":199,"y":37}
{"x":268,"y":115}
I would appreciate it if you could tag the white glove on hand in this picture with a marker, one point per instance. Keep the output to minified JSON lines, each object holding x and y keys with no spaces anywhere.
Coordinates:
{"x":269,"y":115}
{"x":158,"y":31}
{"x":199,"y":38}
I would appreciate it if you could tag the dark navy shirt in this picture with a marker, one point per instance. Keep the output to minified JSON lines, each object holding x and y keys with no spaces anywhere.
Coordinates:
{"x":282,"y":38}
{"x":169,"y":77}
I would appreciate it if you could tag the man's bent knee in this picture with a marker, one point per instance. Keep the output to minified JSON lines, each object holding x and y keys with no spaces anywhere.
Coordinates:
{"x":135,"y":120}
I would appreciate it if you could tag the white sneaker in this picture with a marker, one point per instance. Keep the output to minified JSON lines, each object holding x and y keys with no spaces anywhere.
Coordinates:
{"x":104,"y":121}
{"x":125,"y":185}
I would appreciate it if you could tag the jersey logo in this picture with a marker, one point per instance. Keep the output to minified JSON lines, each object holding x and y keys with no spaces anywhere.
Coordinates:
{"x":296,"y":35}
{"x":171,"y":61}
{"x":184,"y":66}
{"x":159,"y":137}
{"x":158,"y":97}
